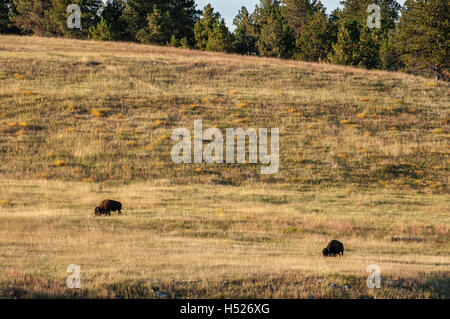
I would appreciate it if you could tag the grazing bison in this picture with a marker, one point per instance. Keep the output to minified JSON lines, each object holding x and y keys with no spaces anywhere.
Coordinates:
{"x":334,"y":248}
{"x":108,"y":206}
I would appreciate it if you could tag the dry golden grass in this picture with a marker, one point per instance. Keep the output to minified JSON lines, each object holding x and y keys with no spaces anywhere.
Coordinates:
{"x":364,"y":159}
{"x":99,"y":106}
{"x":192,"y":241}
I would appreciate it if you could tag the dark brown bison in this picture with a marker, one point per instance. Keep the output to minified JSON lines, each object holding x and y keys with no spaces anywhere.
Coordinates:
{"x":334,"y":248}
{"x":108,"y":206}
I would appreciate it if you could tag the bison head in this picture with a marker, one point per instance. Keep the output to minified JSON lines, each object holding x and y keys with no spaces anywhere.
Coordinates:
{"x":98,"y":211}
{"x":325,"y":252}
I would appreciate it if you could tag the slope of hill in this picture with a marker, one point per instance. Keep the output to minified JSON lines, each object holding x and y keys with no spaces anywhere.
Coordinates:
{"x":75,"y":110}
{"x":364,"y":158}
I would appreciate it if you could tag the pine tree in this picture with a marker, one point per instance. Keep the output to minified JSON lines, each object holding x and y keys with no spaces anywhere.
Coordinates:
{"x":113,"y":15}
{"x":308,"y":20}
{"x":346,"y":49}
{"x":89,"y":17}
{"x":389,"y":56}
{"x":275,"y":37}
{"x":101,"y":32}
{"x":158,"y":29}
{"x":184,"y":15}
{"x":184,"y":43}
{"x":182,"y":12}
{"x":244,"y":33}
{"x":422,"y":40}
{"x":32,"y":16}
{"x":315,"y":41}
{"x":173,"y":42}
{"x":205,"y":26}
{"x":358,"y":45}
{"x":135,"y":15}
{"x":220,"y":39}
{"x":298,"y":13}
{"x":370,"y":42}
{"x":49,"y":17}
{"x":211,"y":32}
{"x":4,"y":16}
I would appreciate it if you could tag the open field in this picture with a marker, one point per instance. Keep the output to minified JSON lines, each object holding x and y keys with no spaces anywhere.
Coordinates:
{"x":364,"y":158}
{"x":194,"y":241}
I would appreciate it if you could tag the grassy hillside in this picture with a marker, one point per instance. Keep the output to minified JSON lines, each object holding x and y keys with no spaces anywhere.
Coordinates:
{"x":91,"y":111}
{"x":364,"y":158}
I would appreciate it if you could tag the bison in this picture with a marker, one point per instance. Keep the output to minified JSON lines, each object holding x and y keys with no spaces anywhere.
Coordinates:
{"x":108,"y":206}
{"x":334,"y":248}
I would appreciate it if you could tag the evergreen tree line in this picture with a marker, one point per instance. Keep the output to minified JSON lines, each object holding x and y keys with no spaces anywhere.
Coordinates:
{"x":413,"y":38}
